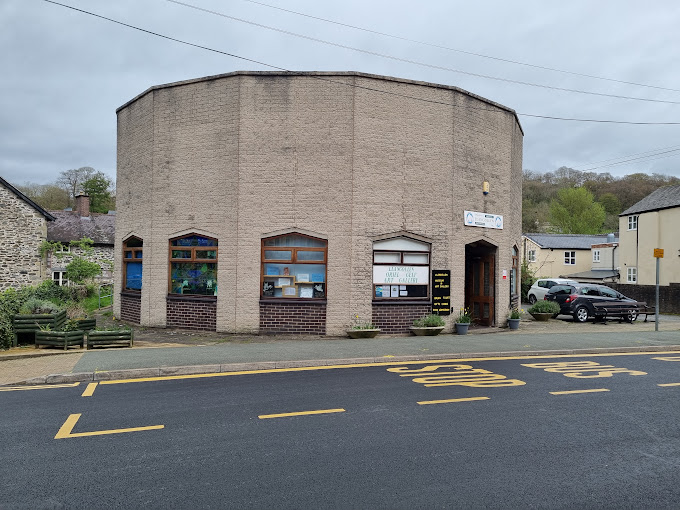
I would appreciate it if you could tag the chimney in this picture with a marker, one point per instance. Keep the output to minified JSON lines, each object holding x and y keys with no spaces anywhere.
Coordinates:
{"x":83,"y":205}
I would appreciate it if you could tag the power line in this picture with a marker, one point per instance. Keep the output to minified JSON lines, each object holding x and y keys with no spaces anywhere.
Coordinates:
{"x":510,"y":61}
{"x":649,"y":158}
{"x":349,"y":84}
{"x":416,"y":62}
{"x":651,"y":153}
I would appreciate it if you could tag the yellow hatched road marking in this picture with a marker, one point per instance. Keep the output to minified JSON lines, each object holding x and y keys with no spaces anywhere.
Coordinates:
{"x":471,"y":399}
{"x":39,"y":387}
{"x":301,"y":413}
{"x":89,"y":390}
{"x":572,"y":392}
{"x":67,"y":427}
{"x":669,"y":384}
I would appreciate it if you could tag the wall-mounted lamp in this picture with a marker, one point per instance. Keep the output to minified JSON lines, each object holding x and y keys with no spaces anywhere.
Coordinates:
{"x":485,"y":187}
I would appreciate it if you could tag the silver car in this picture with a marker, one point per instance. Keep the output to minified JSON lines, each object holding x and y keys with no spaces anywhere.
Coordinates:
{"x":541,"y":287}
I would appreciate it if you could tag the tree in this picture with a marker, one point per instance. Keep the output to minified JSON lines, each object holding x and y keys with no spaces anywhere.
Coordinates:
{"x":71,"y":180}
{"x":575,"y":211}
{"x":47,"y":196}
{"x":98,"y":189}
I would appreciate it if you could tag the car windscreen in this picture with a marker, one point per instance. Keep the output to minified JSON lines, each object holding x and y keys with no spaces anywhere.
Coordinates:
{"x":561,"y":289}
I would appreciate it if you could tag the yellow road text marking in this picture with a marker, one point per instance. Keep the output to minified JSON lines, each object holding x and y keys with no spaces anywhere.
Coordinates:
{"x":39,"y":387}
{"x":67,"y":427}
{"x":366,"y":365}
{"x":583,"y":369}
{"x":573,"y":392}
{"x":669,"y":384}
{"x":471,"y":399}
{"x":89,"y":390}
{"x":455,"y":374}
{"x":301,"y":413}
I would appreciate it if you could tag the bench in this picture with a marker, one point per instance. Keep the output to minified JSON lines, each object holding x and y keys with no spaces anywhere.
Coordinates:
{"x":621,"y":310}
{"x":648,"y":310}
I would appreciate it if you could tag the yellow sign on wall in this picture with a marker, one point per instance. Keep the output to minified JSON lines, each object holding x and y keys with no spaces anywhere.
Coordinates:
{"x":658,"y":253}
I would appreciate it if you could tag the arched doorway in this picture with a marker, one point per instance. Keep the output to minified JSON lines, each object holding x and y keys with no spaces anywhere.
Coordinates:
{"x":480,"y":281}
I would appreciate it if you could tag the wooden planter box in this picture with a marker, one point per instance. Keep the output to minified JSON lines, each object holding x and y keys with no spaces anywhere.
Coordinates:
{"x":60,"y":338}
{"x":87,"y":324}
{"x":31,"y":323}
{"x":109,"y":338}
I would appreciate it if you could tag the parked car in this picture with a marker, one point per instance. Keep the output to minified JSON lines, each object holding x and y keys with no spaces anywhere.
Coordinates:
{"x":541,"y":287}
{"x":583,"y":301}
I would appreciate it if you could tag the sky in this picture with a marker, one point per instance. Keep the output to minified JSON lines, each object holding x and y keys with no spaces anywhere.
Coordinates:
{"x":63,"y":73}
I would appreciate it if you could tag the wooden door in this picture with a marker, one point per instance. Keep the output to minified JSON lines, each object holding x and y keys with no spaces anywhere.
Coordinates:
{"x":482,"y":290}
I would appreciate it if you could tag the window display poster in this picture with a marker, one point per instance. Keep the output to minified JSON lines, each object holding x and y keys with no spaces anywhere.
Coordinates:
{"x":394,"y":290}
{"x":306,"y":292}
{"x":302,"y":277}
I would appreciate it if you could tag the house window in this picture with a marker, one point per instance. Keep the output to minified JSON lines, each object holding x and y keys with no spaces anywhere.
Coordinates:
{"x":294,"y":266}
{"x":193,"y":265}
{"x":570,"y":258}
{"x":401,"y":269}
{"x":531,"y":256}
{"x":632,"y":275}
{"x":132,"y":264}
{"x":596,"y":255}
{"x":632,"y":222}
{"x":59,"y":277}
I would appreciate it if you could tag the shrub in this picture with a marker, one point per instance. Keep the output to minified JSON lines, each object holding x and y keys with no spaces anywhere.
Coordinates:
{"x":38,"y":306}
{"x":526,"y":281}
{"x":545,"y":307}
{"x":79,"y":270}
{"x":75,"y":310}
{"x":429,"y":321}
{"x":464,"y":316}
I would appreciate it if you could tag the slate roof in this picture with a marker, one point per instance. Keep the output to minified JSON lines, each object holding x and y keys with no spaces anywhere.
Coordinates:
{"x":568,"y":241}
{"x":30,"y":202}
{"x":70,"y":226}
{"x":663,"y":198}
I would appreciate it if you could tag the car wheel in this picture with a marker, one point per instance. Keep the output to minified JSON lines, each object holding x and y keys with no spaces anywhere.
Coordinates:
{"x":532,"y":299}
{"x":581,"y":314}
{"x":632,"y":316}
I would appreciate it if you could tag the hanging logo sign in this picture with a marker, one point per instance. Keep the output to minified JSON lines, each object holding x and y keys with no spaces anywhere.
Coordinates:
{"x":481,"y":219}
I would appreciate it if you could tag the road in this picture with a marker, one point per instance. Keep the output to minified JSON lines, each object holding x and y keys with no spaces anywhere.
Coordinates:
{"x":562,"y":432}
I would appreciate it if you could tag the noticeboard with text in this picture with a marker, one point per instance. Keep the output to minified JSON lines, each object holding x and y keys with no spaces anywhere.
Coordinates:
{"x":441,"y":291}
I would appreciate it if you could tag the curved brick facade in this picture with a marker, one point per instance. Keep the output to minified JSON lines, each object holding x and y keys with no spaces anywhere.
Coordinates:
{"x":348,"y":157}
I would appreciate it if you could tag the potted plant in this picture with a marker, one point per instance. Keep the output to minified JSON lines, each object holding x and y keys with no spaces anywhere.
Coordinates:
{"x":463,"y":321}
{"x":361,"y":329}
{"x":514,"y":318}
{"x":544,"y":310}
{"x":429,"y":325}
{"x":68,"y":335}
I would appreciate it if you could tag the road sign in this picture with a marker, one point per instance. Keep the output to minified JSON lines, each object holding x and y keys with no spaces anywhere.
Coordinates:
{"x":658,"y":253}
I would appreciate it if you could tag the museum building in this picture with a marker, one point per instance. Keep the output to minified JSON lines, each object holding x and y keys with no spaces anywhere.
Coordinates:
{"x":304,"y":202}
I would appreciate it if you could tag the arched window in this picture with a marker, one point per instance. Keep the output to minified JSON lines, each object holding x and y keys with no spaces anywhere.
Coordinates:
{"x":294,"y":266}
{"x":401,"y":269}
{"x":133,"y":257}
{"x":193,"y":265}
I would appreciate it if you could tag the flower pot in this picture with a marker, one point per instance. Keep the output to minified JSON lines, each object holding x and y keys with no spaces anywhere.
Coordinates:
{"x":513,"y":323}
{"x":462,"y":328}
{"x":362,"y":333}
{"x":426,"y":330}
{"x":542,"y":316}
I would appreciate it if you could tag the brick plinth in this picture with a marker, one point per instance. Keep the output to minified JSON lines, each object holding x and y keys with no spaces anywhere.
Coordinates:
{"x":292,"y":318}
{"x":397,"y":318}
{"x":130,"y":307}
{"x":192,"y":313}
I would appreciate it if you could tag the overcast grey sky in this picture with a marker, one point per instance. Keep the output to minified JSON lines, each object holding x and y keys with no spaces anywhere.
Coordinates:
{"x":63,"y":73}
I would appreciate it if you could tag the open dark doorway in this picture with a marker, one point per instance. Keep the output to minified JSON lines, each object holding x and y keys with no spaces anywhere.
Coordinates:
{"x":480,"y":282}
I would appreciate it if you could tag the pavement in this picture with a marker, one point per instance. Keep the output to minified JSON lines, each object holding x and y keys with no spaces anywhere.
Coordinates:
{"x":163,"y":352}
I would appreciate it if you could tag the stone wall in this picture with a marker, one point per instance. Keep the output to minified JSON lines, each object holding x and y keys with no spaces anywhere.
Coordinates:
{"x":102,"y":255}
{"x":22,"y":231}
{"x":669,"y":295}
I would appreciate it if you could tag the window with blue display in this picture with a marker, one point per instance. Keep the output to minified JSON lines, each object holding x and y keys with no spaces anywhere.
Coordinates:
{"x":132,"y":263}
{"x":193,"y":265}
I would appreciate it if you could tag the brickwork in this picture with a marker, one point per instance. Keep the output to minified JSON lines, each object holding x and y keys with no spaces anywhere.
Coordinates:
{"x":398,"y":318}
{"x":130,"y":307}
{"x":242,"y":155}
{"x":22,"y":231}
{"x":188,"y":313}
{"x":293,"y":318}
